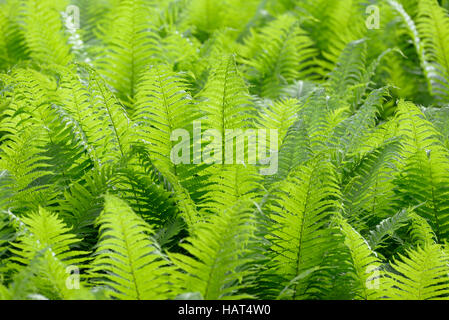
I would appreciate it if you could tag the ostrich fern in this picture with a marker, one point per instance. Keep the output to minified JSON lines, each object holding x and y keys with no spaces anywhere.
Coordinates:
{"x":93,"y":205}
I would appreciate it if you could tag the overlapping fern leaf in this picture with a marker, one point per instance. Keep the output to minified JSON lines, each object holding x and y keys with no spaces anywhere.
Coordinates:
{"x":425,"y":168}
{"x":42,"y":254}
{"x":365,"y":266}
{"x":163,"y":105}
{"x":433,"y":26}
{"x":42,"y":30}
{"x":283,"y":52}
{"x":127,"y":259}
{"x":12,"y":43}
{"x":217,"y":264}
{"x":129,"y":47}
{"x":301,"y":218}
{"x":421,"y":275}
{"x":226,"y":149}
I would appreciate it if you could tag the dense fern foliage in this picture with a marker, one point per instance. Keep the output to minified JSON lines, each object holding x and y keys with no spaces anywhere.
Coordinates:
{"x":351,"y":96}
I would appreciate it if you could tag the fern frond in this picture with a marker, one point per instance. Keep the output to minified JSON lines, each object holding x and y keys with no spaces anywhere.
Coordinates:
{"x":146,"y":192}
{"x":369,"y":186}
{"x":83,"y":202}
{"x":421,"y":275}
{"x":365,"y":265}
{"x":279,"y":115}
{"x":420,"y":231}
{"x":230,"y":184}
{"x":295,"y":149}
{"x":47,"y":278}
{"x":7,"y":234}
{"x":43,"y":31}
{"x":25,"y":138}
{"x":218,"y":254}
{"x":43,"y":253}
{"x":163,"y":106}
{"x":347,"y":17}
{"x":129,"y":46}
{"x":387,"y":227}
{"x":300,"y":233}
{"x":225,"y":98}
{"x":22,"y":158}
{"x":127,"y":259}
{"x":283,"y":53}
{"x":94,"y":15}
{"x":357,"y":127}
{"x":349,"y":69}
{"x":433,"y":26}
{"x":12,"y":41}
{"x":115,"y":137}
{"x":44,"y":230}
{"x":207,"y":16}
{"x":37,"y":136}
{"x":425,"y":168}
